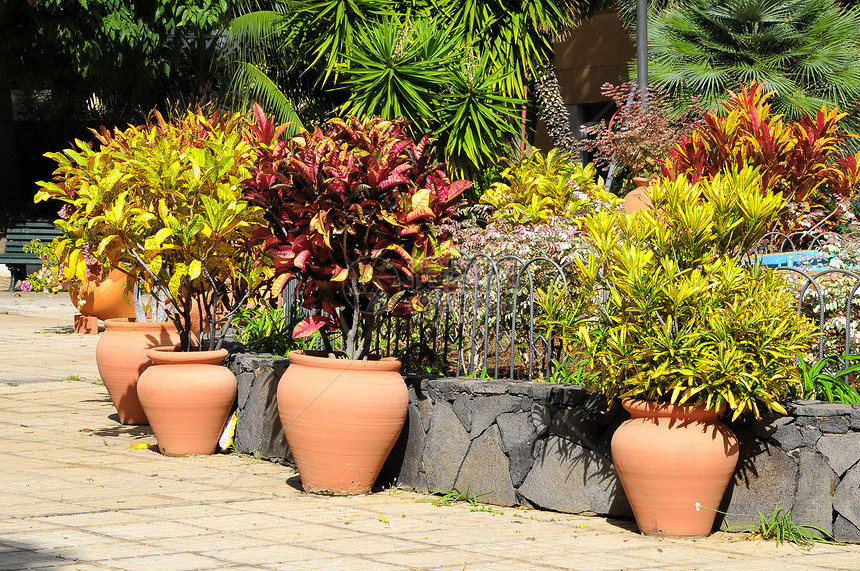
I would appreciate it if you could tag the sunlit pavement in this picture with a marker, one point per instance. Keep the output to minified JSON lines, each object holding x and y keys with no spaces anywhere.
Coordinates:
{"x":77,"y":491}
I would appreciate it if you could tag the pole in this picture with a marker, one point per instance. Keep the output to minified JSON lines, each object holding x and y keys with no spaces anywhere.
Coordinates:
{"x":642,"y":50}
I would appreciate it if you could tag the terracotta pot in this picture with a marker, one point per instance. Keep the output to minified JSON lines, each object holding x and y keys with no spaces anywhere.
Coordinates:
{"x":121,"y":358}
{"x":107,"y":298}
{"x":669,"y":458}
{"x":341,"y":419}
{"x":637,"y":199}
{"x":187,"y":397}
{"x":641,"y":181}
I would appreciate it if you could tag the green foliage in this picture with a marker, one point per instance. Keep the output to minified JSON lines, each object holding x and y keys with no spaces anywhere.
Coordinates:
{"x":817,"y":382}
{"x":354,"y":209}
{"x":458,"y":69}
{"x":780,"y":528}
{"x":164,"y":202}
{"x":131,"y":55}
{"x":450,"y":497}
{"x":418,"y":70}
{"x":805,"y":50}
{"x":683,"y":319}
{"x":265,"y":329}
{"x":542,"y":188}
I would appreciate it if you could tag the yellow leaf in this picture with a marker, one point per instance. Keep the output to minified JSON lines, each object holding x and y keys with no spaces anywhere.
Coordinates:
{"x":162,"y":210}
{"x":104,"y":243}
{"x":382,"y":518}
{"x":195,"y":269}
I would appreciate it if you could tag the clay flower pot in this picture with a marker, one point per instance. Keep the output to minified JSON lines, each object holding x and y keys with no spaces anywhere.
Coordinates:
{"x":105,"y":299}
{"x":187,"y":396}
{"x":121,"y":358}
{"x":669,"y":459}
{"x":341,"y":419}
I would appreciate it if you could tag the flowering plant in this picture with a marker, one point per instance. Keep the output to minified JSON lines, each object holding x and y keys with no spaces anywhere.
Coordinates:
{"x":353,"y":210}
{"x":49,"y":277}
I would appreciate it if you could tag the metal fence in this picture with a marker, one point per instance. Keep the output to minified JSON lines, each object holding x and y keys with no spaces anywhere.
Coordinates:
{"x":484,"y":325}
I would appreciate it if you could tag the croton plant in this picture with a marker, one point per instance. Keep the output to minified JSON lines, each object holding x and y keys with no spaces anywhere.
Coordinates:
{"x":163,"y":202}
{"x":353,"y":209}
{"x":804,"y":160}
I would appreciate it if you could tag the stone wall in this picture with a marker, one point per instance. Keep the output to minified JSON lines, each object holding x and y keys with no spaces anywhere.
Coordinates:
{"x":547,"y":446}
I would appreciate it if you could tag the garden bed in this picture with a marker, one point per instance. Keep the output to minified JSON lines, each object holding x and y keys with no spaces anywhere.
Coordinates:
{"x":547,"y":445}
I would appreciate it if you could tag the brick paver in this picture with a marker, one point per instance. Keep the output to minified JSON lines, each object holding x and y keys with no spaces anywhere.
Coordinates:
{"x":74,"y":494}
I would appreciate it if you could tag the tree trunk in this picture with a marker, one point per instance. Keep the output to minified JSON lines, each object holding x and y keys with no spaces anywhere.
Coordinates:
{"x":552,"y":110}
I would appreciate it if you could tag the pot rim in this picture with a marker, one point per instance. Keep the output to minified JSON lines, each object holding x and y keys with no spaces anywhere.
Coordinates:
{"x":133,"y":323}
{"x":322,"y":361}
{"x":646,"y":408}
{"x":170,"y":354}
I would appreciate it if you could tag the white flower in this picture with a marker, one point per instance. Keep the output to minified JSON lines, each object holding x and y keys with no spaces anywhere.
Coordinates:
{"x":698,"y":506}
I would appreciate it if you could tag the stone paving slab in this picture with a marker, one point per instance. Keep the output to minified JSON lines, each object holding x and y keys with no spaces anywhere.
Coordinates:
{"x":74,"y":494}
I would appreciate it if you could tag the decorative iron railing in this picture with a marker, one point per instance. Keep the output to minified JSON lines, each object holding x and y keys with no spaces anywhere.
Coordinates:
{"x":484,"y":324}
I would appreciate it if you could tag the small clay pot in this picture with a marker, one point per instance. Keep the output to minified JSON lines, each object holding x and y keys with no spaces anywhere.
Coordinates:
{"x":187,"y":396}
{"x":106,"y":298}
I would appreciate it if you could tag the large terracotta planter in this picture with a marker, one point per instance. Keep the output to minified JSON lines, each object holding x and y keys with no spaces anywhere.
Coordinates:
{"x":669,"y":459}
{"x":341,"y":419}
{"x":187,"y":397}
{"x":107,"y":298}
{"x":121,"y":358}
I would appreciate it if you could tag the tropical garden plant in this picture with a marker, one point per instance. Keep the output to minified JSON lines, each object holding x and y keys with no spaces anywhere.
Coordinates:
{"x":353,"y":209}
{"x":163,"y":202}
{"x":800,"y":159}
{"x":458,"y":69}
{"x":638,"y":137}
{"x":538,"y":189}
{"x":828,"y":379}
{"x":803,"y":50}
{"x":49,"y":276}
{"x":664,"y":309}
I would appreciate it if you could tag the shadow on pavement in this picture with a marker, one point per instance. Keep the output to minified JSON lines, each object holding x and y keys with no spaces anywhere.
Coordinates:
{"x":295,"y":482}
{"x":26,"y":556}
{"x":133,"y":430}
{"x":59,"y":330}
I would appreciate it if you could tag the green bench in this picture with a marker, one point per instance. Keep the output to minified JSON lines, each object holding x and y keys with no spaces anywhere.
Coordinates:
{"x":18,"y":234}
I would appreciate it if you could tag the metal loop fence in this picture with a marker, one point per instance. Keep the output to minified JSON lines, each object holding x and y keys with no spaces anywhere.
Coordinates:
{"x":483,"y":323}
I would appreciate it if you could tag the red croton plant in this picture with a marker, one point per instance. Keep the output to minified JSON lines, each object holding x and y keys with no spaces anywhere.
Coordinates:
{"x":802,"y":159}
{"x":353,"y":209}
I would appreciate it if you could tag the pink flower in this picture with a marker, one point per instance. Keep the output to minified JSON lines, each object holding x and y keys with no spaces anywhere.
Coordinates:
{"x":26,"y":286}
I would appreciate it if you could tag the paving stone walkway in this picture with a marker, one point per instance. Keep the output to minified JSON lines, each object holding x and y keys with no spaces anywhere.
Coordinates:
{"x":78,"y":492}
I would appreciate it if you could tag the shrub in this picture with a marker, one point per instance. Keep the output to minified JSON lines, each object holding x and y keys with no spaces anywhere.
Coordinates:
{"x":635,"y":139}
{"x":353,"y":209}
{"x":163,"y":201}
{"x":541,"y":189}
{"x":799,"y":159}
{"x":682,"y":319}
{"x":804,"y":50}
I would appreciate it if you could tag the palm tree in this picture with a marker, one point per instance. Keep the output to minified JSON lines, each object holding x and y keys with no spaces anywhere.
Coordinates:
{"x":804,"y":50}
{"x":306,"y":42}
